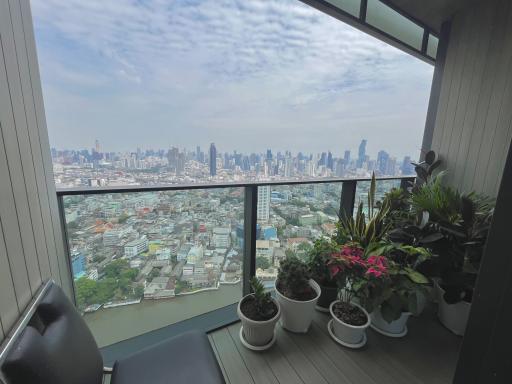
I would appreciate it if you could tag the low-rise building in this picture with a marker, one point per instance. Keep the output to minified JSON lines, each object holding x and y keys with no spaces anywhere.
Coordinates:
{"x":135,"y":247}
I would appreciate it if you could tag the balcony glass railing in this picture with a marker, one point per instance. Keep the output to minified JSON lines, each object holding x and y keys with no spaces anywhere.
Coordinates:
{"x":144,"y":258}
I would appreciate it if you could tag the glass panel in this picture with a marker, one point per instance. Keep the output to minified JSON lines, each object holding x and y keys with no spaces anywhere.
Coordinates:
{"x":432,"y":46}
{"x":130,"y":249}
{"x":393,"y":23}
{"x":350,"y":6}
{"x":290,"y":218}
{"x":382,"y":186}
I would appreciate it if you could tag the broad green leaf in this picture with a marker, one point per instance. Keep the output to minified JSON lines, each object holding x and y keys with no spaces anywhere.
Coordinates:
{"x":416,"y":277}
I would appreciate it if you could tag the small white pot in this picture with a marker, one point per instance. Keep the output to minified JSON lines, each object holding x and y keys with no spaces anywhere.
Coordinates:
{"x":296,"y":316}
{"x":258,"y":333}
{"x":397,"y":328}
{"x":347,"y":333}
{"x":453,"y":316}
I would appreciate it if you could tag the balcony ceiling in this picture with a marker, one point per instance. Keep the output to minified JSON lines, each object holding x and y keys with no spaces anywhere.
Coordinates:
{"x":432,"y":12}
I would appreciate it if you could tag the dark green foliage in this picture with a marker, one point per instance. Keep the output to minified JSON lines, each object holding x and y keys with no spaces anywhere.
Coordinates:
{"x":319,"y":258}
{"x":116,"y":284}
{"x":293,"y":279}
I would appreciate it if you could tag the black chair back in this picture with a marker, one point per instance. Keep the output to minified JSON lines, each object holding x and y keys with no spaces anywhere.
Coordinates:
{"x":56,"y":346}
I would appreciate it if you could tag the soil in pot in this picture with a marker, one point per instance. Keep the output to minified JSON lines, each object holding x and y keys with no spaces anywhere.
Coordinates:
{"x":250,"y":309}
{"x":349,"y":314}
{"x":308,"y":293}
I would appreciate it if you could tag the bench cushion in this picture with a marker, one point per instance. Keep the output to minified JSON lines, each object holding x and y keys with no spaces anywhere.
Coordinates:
{"x":184,"y":359}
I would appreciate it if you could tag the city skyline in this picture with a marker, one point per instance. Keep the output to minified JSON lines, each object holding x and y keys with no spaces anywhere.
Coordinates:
{"x":78,"y":168}
{"x":251,"y":75}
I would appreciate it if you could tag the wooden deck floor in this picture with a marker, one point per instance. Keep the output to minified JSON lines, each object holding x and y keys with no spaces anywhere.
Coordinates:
{"x":428,"y":354}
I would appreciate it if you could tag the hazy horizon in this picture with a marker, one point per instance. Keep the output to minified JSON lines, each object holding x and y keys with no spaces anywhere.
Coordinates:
{"x":246,"y":75}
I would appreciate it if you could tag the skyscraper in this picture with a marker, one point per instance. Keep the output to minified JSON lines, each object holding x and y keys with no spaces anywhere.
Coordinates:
{"x":263,"y":213}
{"x":382,"y":162}
{"x":346,"y":158}
{"x":213,"y":160}
{"x":330,"y":163}
{"x":361,"y":154}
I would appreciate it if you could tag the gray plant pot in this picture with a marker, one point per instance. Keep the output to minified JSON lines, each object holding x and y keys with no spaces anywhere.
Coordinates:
{"x":258,"y":333}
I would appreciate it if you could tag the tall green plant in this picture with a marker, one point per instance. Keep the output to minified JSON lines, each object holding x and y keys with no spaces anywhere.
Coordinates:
{"x":364,"y":229}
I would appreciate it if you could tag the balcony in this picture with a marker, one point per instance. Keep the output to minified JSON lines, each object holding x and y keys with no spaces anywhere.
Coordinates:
{"x":140,"y":266}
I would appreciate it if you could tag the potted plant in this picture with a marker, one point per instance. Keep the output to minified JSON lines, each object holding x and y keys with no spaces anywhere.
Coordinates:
{"x":463,"y":220}
{"x":349,"y":319}
{"x":401,"y":294}
{"x":259,"y":313}
{"x":318,"y":263}
{"x":297,"y":294}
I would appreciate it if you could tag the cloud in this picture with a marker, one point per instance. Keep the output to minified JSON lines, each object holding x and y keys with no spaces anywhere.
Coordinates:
{"x":188,"y":72}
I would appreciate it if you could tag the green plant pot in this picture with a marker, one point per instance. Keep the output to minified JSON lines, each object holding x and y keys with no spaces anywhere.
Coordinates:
{"x":327,"y":296}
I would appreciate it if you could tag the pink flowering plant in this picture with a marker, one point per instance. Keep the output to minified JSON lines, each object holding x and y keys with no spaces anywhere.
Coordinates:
{"x":356,"y":275}
{"x":399,"y":291}
{"x":375,"y":280}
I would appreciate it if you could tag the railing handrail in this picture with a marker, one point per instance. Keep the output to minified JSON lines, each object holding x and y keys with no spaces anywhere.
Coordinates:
{"x":201,"y":185}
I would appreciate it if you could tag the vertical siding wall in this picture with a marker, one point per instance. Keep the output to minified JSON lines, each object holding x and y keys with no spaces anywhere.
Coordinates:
{"x":31,"y":240}
{"x":473,"y":128}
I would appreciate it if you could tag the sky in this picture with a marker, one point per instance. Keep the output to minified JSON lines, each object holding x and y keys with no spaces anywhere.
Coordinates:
{"x":245,"y":74}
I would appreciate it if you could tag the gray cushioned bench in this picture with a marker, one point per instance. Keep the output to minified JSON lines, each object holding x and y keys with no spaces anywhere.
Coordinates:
{"x":53,"y":345}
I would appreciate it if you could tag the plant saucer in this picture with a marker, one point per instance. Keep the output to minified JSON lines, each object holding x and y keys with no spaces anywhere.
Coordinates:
{"x":322,"y":309}
{"x":361,"y":344}
{"x":389,"y":334}
{"x":256,"y":347}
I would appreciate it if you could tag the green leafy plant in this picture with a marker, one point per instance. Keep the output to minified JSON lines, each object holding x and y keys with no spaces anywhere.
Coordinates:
{"x":399,"y":291}
{"x":364,"y":229}
{"x":319,"y":258}
{"x":456,"y":231}
{"x":293,"y":279}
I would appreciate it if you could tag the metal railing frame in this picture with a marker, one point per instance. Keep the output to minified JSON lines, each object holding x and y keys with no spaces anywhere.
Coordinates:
{"x":347,"y":202}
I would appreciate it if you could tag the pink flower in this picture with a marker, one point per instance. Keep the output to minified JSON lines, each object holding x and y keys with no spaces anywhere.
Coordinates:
{"x":374,"y":272}
{"x":334,"y":269}
{"x":377,"y":260}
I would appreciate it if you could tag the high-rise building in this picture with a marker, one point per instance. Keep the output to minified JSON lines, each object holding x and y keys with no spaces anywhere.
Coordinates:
{"x":213,"y":159}
{"x":382,"y":162}
{"x":330,"y":163}
{"x":361,"y":153}
{"x":407,"y":167}
{"x":263,"y":213}
{"x":346,"y":159}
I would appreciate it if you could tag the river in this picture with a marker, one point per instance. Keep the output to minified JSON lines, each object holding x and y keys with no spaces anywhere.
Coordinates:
{"x":116,"y":324}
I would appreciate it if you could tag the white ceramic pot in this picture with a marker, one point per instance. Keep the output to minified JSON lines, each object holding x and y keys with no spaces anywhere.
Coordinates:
{"x":453,"y":316}
{"x":422,"y":303}
{"x":347,"y":333}
{"x":397,"y":328}
{"x":296,"y":316}
{"x":258,"y":333}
